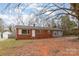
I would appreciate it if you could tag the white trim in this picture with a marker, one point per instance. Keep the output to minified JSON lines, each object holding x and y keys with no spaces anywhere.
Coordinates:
{"x":19,"y":31}
{"x":27,"y":32}
{"x":33,"y":33}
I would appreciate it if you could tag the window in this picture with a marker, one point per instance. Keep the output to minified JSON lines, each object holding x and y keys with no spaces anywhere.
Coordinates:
{"x":24,"y":31}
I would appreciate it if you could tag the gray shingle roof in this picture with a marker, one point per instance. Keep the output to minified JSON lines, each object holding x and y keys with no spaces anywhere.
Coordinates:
{"x":31,"y":27}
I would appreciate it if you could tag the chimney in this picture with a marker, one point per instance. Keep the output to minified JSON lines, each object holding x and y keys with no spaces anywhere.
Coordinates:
{"x":33,"y":25}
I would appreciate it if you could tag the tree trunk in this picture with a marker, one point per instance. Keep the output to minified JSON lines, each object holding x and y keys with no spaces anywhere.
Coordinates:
{"x":78,"y":29}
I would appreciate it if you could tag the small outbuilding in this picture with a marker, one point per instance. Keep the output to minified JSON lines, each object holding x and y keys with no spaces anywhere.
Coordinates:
{"x":0,"y":35}
{"x":30,"y":32}
{"x":6,"y":34}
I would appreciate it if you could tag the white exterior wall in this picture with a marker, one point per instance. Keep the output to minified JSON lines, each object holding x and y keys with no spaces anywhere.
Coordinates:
{"x":0,"y":35}
{"x":20,"y":31}
{"x":33,"y":33}
{"x":5,"y":35}
{"x":57,"y":33}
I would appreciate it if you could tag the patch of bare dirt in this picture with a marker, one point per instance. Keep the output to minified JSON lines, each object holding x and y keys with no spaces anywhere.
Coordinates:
{"x":47,"y":47}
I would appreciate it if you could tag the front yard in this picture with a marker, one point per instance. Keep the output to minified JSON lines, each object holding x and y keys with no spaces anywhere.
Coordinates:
{"x":11,"y":43}
{"x":43,"y":47}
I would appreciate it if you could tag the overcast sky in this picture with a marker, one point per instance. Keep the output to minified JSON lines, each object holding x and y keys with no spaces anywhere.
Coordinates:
{"x":9,"y":12}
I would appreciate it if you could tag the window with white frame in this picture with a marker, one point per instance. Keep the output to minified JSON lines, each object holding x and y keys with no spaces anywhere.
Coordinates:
{"x":23,"y":31}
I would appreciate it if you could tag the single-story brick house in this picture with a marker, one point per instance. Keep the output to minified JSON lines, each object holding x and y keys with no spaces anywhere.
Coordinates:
{"x":30,"y":32}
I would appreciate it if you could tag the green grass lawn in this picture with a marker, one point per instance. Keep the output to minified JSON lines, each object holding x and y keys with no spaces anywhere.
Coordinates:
{"x":9,"y":43}
{"x":13,"y":43}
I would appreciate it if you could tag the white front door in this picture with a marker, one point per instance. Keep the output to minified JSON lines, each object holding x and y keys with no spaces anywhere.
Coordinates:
{"x":33,"y":33}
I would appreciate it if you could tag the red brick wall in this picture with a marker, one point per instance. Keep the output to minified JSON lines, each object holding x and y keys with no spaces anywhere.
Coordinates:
{"x":42,"y":34}
{"x":18,"y":36}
